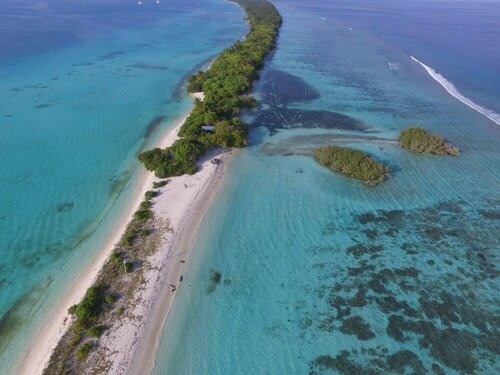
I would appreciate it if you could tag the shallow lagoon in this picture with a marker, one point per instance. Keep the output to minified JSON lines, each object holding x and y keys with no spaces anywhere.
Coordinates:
{"x":85,"y":86}
{"x":320,"y":274}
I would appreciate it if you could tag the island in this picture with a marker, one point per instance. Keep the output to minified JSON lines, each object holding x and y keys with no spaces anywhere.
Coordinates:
{"x":111,"y":322}
{"x":352,"y":163}
{"x":419,"y":140}
{"x":214,"y":121}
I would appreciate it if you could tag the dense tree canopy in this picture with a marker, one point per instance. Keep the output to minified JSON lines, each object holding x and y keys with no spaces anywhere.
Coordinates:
{"x":229,"y":77}
{"x":421,"y":141}
{"x":353,"y":163}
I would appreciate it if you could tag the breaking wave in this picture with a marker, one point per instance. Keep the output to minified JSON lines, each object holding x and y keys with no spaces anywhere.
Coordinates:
{"x":452,"y":90}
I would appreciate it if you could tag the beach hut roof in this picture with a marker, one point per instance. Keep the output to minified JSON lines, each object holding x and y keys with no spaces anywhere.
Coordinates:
{"x":208,"y":128}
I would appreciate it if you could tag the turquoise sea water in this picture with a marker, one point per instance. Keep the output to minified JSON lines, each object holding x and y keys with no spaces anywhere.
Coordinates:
{"x":320,"y":274}
{"x":84,"y":86}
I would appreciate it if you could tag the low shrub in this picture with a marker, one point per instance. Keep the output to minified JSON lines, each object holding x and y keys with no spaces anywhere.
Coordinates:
{"x":116,"y":257}
{"x":84,"y":350}
{"x":126,"y":267}
{"x":145,"y":205}
{"x":160,"y":184}
{"x":352,"y":163}
{"x":129,"y":236}
{"x":88,"y":309}
{"x":421,"y":141}
{"x":96,"y":331}
{"x":110,"y":299}
{"x":143,"y":215}
{"x":150,"y":194}
{"x":75,"y":339}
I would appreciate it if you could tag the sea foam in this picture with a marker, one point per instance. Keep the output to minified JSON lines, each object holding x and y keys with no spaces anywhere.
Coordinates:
{"x":452,"y":90}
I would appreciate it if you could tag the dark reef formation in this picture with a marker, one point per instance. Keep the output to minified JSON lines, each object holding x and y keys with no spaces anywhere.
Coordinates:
{"x":412,"y":278}
{"x":280,"y":90}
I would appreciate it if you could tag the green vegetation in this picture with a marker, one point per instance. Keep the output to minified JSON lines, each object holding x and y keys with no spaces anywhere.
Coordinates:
{"x":144,"y":212}
{"x":145,"y":232}
{"x":110,"y":298}
{"x":352,"y":163}
{"x":129,"y":237}
{"x":150,"y":194}
{"x":224,"y":84}
{"x":126,"y":267}
{"x":143,"y":215}
{"x":421,"y":141}
{"x":145,"y":205}
{"x":75,"y":340}
{"x":116,"y":257}
{"x":87,"y":310}
{"x":113,"y":295}
{"x":95,"y":331}
{"x":113,"y":292}
{"x":160,"y":184}
{"x":84,"y":350}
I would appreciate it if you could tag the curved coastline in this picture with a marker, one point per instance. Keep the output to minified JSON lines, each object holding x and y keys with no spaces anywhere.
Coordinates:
{"x":36,"y":356}
{"x":180,"y":207}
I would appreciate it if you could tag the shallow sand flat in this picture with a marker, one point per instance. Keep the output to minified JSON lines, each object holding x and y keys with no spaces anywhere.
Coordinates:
{"x":199,"y":95}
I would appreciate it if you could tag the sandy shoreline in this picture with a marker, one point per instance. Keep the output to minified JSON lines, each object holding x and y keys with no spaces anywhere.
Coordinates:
{"x":183,"y":202}
{"x":44,"y":341}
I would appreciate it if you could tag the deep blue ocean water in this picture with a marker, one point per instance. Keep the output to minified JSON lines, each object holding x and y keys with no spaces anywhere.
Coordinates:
{"x":84,"y":86}
{"x":321,"y":274}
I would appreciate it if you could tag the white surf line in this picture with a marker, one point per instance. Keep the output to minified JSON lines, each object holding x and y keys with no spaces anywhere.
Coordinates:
{"x":452,"y":90}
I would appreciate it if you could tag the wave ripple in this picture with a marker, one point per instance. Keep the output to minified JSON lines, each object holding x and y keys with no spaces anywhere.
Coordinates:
{"x":452,"y":90}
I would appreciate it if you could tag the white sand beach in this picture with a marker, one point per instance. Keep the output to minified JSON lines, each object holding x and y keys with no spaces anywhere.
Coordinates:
{"x":182,"y":201}
{"x":199,"y":95}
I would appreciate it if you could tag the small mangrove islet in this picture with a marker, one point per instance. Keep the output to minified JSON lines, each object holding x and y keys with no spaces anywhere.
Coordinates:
{"x":419,"y":140}
{"x":352,"y":163}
